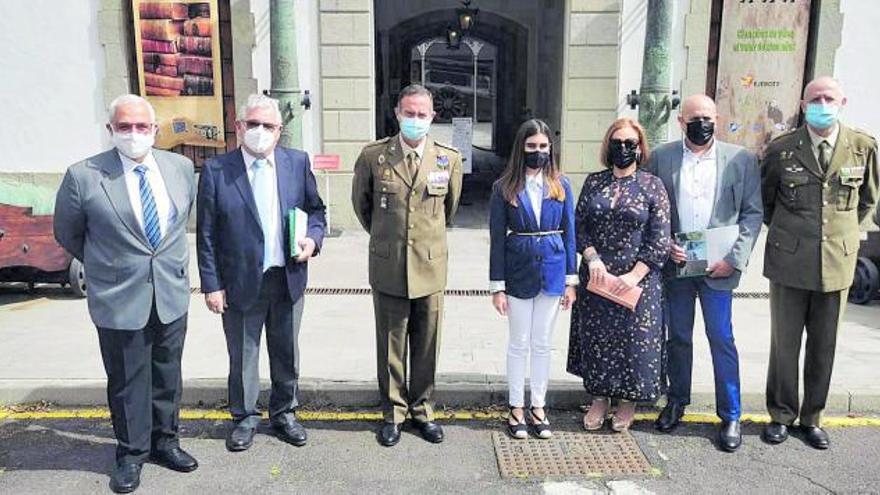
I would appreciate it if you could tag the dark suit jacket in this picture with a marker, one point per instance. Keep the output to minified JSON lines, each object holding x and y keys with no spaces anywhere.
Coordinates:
{"x":229,"y":235}
{"x":531,"y":264}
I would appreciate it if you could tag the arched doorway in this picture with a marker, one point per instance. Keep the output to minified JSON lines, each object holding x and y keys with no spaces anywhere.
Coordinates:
{"x":509,"y":42}
{"x":485,"y":78}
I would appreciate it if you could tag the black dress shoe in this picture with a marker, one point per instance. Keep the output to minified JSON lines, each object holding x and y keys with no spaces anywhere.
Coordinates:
{"x":126,"y":478}
{"x":291,"y":432}
{"x":669,"y":417}
{"x":775,"y":433}
{"x":816,"y":437}
{"x":240,"y":438}
{"x":176,"y":459}
{"x":430,"y":430}
{"x":729,"y":436}
{"x":389,"y":434}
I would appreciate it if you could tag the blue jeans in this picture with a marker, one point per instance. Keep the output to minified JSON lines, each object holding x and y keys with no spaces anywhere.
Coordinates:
{"x":716,"y":306}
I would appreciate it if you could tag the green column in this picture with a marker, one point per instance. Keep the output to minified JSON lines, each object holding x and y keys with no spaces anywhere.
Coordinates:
{"x":655,"y":105}
{"x":285,"y":77}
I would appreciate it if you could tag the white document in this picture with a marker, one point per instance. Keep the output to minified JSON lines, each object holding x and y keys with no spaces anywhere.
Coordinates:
{"x":719,"y":242}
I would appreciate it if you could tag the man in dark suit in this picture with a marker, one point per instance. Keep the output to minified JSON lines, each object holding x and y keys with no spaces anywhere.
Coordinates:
{"x":123,"y":214}
{"x":247,"y":269}
{"x":710,"y":184}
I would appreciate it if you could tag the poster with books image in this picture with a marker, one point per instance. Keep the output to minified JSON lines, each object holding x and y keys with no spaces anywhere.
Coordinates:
{"x":179,"y":69}
{"x":704,"y":248}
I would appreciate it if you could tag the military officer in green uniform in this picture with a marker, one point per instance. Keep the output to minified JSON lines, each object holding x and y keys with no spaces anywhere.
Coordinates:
{"x":818,"y":183}
{"x":405,"y":192}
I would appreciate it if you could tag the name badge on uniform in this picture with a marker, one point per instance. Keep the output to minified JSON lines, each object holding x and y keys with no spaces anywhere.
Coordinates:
{"x":383,"y":202}
{"x":438,"y":182}
{"x":852,"y":172}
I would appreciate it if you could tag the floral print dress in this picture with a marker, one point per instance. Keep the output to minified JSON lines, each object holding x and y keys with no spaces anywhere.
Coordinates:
{"x":619,"y":353}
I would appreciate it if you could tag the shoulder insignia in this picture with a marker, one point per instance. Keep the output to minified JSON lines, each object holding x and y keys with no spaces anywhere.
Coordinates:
{"x":864,"y":134}
{"x":377,"y":142}
{"x":446,"y":146}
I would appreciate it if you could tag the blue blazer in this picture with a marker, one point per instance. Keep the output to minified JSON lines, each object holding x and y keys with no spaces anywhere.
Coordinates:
{"x":532,"y":264}
{"x":229,"y":237}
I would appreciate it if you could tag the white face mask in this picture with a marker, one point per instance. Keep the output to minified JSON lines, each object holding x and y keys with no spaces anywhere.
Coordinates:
{"x":133,"y":144}
{"x":259,"y":140}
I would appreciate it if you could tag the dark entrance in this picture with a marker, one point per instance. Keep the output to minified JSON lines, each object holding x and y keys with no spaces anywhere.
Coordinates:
{"x":507,"y":68}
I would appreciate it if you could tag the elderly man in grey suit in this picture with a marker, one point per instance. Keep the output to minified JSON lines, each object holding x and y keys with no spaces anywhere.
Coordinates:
{"x":710,"y":184}
{"x":123,"y":213}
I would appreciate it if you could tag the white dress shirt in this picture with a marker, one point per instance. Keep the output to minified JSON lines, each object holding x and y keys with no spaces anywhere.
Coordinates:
{"x":164,"y":208}
{"x":696,"y":195}
{"x":274,"y":239}
{"x":816,"y":140}
{"x":535,"y":192}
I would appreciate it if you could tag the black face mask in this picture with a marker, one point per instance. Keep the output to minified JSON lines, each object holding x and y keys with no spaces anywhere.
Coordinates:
{"x":700,"y":132}
{"x":537,"y":160}
{"x":622,"y":156}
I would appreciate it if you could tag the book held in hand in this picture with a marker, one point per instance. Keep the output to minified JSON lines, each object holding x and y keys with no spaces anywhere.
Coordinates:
{"x":628,"y":299}
{"x":704,"y":248}
{"x":298,"y":221}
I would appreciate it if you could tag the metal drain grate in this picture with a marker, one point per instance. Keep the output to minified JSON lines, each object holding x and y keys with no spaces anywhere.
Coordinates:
{"x":570,"y":454}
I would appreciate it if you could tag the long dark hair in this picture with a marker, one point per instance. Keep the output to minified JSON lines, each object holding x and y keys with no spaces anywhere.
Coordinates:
{"x":513,"y":179}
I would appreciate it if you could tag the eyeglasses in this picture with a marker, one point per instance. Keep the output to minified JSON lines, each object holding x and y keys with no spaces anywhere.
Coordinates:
{"x":538,"y":146}
{"x":253,"y":124}
{"x":629,"y":143}
{"x":138,"y":127}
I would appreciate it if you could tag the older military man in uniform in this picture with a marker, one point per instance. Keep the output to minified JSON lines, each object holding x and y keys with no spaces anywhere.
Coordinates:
{"x":818,"y":183}
{"x":405,"y":192}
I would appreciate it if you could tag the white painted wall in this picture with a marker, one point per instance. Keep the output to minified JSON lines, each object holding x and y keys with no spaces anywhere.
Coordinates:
{"x":307,"y":59}
{"x":51,"y":92}
{"x":855,"y":64}
{"x":632,"y":45}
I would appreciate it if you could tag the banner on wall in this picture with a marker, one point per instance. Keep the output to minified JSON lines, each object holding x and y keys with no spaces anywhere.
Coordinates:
{"x":178,"y":61}
{"x":761,"y":59}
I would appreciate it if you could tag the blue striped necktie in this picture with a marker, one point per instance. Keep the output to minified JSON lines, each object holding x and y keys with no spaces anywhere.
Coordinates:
{"x":148,"y":204}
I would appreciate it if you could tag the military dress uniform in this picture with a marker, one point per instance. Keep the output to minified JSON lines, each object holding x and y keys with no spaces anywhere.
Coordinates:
{"x":815,"y":195}
{"x":405,"y":199}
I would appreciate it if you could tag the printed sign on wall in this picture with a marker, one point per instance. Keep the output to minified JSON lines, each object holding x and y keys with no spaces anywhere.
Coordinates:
{"x":178,"y":58}
{"x":761,"y":60}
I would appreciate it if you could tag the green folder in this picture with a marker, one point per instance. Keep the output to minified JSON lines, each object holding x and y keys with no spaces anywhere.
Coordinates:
{"x":298,"y":222}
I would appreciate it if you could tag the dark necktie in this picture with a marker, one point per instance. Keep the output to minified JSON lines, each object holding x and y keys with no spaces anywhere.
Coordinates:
{"x":824,"y":155}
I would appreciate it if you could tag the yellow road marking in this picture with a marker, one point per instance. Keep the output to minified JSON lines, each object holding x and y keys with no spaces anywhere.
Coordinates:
{"x":461,"y":415}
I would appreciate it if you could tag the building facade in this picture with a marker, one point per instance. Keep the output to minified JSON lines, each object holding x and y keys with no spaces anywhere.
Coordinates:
{"x":570,"y":62}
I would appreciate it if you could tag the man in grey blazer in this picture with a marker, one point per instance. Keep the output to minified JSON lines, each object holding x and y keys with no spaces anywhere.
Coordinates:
{"x":123,"y":213}
{"x":710,"y":184}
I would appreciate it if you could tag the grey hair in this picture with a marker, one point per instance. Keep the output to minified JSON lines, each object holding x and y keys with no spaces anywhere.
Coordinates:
{"x":129,"y":100}
{"x":414,"y":90}
{"x":259,"y":101}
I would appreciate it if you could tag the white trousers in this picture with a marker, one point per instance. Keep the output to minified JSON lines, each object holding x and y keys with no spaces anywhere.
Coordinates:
{"x":531,"y":327}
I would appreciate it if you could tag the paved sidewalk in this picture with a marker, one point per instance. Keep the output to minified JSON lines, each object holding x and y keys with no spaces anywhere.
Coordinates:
{"x":50,"y":349}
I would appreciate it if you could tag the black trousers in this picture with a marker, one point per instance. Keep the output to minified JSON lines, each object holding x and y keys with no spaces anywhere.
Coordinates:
{"x":144,"y":385}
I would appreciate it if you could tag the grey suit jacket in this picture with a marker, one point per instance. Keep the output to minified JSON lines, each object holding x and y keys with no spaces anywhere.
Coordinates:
{"x":737,"y":199}
{"x":94,"y":222}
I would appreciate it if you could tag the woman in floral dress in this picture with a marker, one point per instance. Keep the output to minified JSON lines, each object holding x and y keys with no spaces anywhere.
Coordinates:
{"x":622,"y":225}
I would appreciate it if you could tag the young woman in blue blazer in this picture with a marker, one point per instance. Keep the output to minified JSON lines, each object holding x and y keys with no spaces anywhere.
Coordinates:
{"x":532,"y":266}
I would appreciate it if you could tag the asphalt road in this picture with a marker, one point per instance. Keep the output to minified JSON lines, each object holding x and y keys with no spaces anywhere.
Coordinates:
{"x":75,"y":455}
